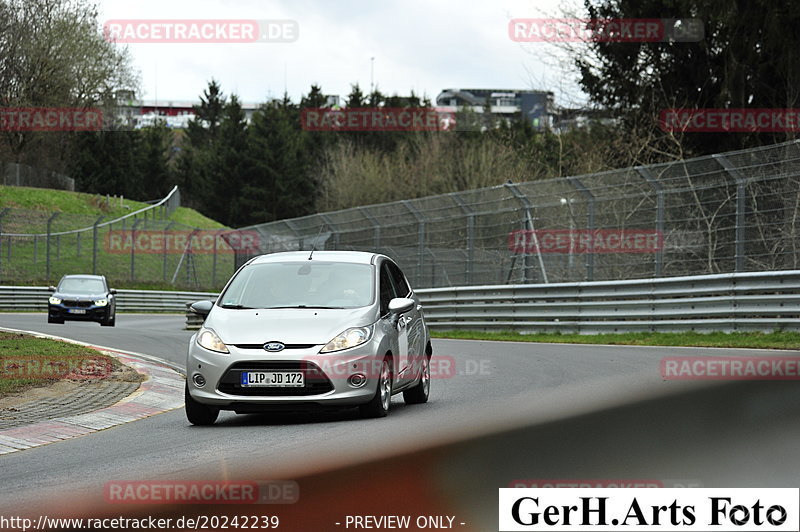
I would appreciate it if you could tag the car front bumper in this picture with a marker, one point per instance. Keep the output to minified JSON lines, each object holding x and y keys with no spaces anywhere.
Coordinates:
{"x":327,"y":377}
{"x":92,"y":313}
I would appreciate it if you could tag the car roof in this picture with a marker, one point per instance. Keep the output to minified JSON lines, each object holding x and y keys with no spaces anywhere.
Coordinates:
{"x":355,"y":257}
{"x":83,"y":276}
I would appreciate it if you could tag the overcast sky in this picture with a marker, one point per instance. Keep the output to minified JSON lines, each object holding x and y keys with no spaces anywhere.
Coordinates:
{"x":424,"y":45}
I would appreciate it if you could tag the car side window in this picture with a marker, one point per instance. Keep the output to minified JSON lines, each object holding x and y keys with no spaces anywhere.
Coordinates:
{"x":400,"y":283}
{"x":386,"y":289}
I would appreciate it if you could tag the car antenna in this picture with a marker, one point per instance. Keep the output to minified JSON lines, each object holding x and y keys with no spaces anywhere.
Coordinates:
{"x":315,"y":241}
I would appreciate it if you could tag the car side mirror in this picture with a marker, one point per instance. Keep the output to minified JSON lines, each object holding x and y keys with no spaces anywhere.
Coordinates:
{"x":202,"y":307}
{"x":113,"y":291}
{"x":51,"y":288}
{"x":400,"y":305}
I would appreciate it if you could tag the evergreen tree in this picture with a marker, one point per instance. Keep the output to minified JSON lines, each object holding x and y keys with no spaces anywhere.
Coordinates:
{"x":280,"y":184}
{"x":193,"y":169}
{"x":745,"y":57}
{"x":228,"y":167}
{"x":155,"y":149}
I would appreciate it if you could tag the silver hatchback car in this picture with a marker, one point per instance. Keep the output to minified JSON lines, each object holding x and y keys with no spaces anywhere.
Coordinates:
{"x":299,"y":331}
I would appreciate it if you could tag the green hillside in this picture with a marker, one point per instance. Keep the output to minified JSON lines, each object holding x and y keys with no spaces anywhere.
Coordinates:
{"x":33,"y":259}
{"x":64,"y":201}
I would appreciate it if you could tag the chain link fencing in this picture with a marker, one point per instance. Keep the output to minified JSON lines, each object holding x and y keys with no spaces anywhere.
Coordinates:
{"x":20,"y":175}
{"x":732,"y":212}
{"x":139,"y":249}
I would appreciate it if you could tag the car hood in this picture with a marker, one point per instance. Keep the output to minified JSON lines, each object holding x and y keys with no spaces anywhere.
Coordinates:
{"x":290,"y":326}
{"x":82,"y":297}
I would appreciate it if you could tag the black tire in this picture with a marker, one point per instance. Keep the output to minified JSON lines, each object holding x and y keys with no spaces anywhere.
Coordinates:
{"x":419,"y":394}
{"x":55,"y":320}
{"x":109,"y":322}
{"x":378,"y":406}
{"x":198,"y":413}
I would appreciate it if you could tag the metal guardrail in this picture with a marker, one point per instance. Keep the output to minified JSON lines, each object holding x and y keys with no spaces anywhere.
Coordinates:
{"x":758,"y":301}
{"x":27,"y":298}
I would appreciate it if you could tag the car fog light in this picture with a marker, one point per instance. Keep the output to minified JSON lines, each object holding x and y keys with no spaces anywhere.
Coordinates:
{"x":198,"y":380}
{"x":357,"y":381}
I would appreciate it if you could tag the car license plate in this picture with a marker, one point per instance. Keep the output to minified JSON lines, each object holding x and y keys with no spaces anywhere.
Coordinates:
{"x":273,"y":379}
{"x":77,"y":311}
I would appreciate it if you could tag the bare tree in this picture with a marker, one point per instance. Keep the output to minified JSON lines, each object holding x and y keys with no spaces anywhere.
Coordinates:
{"x":53,"y":53}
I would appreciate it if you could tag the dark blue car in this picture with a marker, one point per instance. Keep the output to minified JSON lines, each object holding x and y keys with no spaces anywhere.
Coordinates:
{"x":82,"y":298}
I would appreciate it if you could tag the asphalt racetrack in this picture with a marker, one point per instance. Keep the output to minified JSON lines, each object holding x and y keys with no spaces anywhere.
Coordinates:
{"x":499,"y":412}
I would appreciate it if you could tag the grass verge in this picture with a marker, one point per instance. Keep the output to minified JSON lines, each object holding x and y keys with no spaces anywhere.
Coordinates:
{"x":773,"y":340}
{"x":29,"y":362}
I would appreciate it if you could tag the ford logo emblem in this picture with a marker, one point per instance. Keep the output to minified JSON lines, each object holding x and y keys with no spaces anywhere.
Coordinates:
{"x":274,"y":346}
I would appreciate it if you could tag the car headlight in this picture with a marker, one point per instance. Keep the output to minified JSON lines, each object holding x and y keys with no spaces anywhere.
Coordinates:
{"x":101,"y":302}
{"x":349,"y":338}
{"x":55,"y":300}
{"x":208,"y":338}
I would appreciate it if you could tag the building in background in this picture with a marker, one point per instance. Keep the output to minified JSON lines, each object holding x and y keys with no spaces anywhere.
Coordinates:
{"x":176,"y":115}
{"x":537,"y":107}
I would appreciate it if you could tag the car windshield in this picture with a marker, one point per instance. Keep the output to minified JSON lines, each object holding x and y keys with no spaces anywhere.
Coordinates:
{"x":77,"y":285}
{"x":301,"y":285}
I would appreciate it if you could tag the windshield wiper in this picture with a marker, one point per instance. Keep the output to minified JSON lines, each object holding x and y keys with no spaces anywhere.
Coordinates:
{"x":237,"y":307}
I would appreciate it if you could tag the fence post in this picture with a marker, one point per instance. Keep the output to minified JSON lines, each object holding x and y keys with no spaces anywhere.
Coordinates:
{"x":2,"y":215}
{"x":590,"y":222}
{"x":49,"y":224}
{"x":528,"y":206}
{"x":214,"y":263}
{"x":470,"y":236}
{"x":191,"y":267}
{"x":376,"y":236}
{"x":330,"y":224}
{"x":420,"y":237}
{"x":741,"y":205}
{"x":94,"y":244}
{"x":651,"y":179}
{"x":164,"y":258}
{"x":133,"y":248}
{"x":301,"y":241}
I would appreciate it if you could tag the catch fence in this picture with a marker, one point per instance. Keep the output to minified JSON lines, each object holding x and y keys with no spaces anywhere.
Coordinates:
{"x":732,"y":212}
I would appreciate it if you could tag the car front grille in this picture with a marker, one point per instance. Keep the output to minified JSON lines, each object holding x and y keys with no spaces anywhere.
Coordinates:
{"x":76,"y":303}
{"x":316,"y":382}
{"x":285,"y":346}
